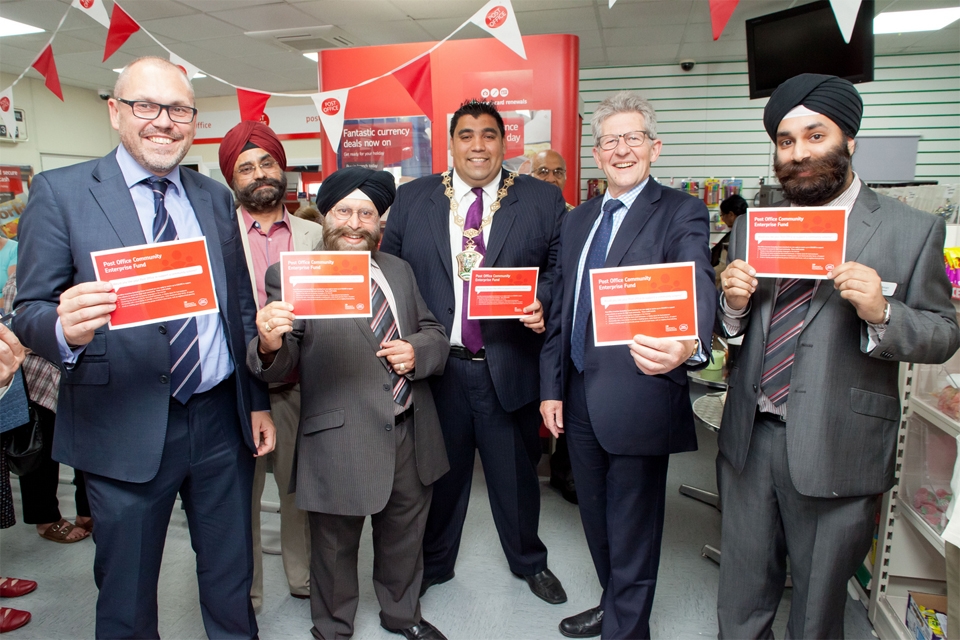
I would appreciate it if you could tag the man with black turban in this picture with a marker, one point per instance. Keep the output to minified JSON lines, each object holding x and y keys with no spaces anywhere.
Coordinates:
{"x":369,"y":439}
{"x":810,"y":422}
{"x":252,"y":160}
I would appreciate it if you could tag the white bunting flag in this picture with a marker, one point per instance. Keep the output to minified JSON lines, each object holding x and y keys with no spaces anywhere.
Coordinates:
{"x":498,"y":19}
{"x":94,"y":9}
{"x":612,"y":2}
{"x":330,"y":108}
{"x":185,"y":66}
{"x":846,"y":13}
{"x":6,"y":111}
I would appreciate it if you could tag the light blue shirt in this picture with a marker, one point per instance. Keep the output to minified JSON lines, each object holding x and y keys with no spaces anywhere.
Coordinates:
{"x":626,"y":200}
{"x":215,"y":361}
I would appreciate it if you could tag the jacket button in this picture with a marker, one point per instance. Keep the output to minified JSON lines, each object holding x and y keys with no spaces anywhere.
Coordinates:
{"x":388,"y":427}
{"x":386,"y":387}
{"x":163,"y":329}
{"x":164,"y":379}
{"x":450,"y":311}
{"x":754,"y":387}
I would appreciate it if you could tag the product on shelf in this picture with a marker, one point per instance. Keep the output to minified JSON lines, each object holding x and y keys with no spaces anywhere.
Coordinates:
{"x":926,"y":616}
{"x":711,"y":192}
{"x":931,"y":503}
{"x":948,"y":401}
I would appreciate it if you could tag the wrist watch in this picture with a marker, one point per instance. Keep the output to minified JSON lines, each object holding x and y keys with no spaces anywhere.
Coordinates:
{"x":886,"y":314}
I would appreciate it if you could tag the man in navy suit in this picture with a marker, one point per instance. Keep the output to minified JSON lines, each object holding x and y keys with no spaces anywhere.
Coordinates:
{"x":487,"y":398}
{"x":624,"y":408}
{"x":139,"y":425}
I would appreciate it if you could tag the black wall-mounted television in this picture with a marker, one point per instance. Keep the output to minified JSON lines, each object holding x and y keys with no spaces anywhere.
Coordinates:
{"x":807,"y":39}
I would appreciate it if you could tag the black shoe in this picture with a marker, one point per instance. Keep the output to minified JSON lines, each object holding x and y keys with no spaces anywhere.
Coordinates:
{"x":546,"y":586}
{"x":422,"y":631}
{"x":583,"y":625}
{"x":566,"y":486}
{"x":429,"y":582}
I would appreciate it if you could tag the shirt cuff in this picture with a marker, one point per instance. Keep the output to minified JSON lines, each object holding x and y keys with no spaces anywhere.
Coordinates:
{"x":67,"y":355}
{"x":874,"y":335}
{"x":699,"y":357}
{"x":731,"y":319}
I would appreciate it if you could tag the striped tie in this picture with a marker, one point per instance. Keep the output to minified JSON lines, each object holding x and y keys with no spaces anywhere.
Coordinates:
{"x":596,"y":258}
{"x":185,"y":371}
{"x":384,"y":327}
{"x":789,"y":311}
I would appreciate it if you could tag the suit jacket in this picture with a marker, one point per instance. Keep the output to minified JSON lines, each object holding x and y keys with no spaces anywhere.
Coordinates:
{"x":843,"y":411}
{"x":112,"y":413}
{"x":632,"y":413}
{"x":306,"y":235}
{"x":346,"y":449}
{"x":524,"y":233}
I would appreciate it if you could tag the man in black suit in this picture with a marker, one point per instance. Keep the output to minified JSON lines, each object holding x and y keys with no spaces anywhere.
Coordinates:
{"x":444,"y":225}
{"x":143,"y":427}
{"x":624,"y":409}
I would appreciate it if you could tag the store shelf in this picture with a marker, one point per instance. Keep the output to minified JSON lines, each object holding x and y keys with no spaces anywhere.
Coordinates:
{"x":939,"y":419}
{"x":889,"y":621}
{"x":918,"y":523}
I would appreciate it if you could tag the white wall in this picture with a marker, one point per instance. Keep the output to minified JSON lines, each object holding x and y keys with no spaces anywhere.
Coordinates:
{"x":710,"y":128}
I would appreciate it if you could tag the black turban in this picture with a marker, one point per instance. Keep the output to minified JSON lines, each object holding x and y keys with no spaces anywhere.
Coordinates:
{"x":378,"y":185}
{"x":834,"y":97}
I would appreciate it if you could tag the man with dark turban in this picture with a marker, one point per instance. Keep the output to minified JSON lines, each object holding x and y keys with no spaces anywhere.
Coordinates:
{"x":252,"y":161}
{"x":811,"y":418}
{"x":369,"y":440}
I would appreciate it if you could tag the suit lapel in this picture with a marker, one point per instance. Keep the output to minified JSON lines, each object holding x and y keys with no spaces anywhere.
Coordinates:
{"x":112,"y":194}
{"x":202,"y":205}
{"x":440,"y":226}
{"x":580,"y":229}
{"x":502,"y":222}
{"x":643,"y":208}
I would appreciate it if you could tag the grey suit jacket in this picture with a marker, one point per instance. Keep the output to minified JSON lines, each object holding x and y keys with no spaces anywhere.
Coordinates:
{"x":346,"y":449}
{"x":843,"y":411}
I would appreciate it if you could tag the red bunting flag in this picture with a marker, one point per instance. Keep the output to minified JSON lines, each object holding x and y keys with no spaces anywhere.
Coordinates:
{"x":416,"y":79}
{"x":720,"y":12}
{"x":252,"y":104}
{"x":47,"y":67}
{"x":122,"y":26}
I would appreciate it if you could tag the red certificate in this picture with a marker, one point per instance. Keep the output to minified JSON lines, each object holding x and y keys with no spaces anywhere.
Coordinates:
{"x":657,"y":300}
{"x":796,"y":242}
{"x":326,"y":284}
{"x":155,"y":282}
{"x":501,"y":293}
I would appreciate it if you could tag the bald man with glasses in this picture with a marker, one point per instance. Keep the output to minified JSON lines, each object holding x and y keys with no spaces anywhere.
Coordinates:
{"x":549,"y":166}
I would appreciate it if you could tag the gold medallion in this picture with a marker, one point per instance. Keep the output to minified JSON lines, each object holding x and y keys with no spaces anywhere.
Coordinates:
{"x":468,"y":259}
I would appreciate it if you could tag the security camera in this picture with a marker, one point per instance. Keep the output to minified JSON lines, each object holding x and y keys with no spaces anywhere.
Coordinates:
{"x":104,"y":94}
{"x":688,"y":65}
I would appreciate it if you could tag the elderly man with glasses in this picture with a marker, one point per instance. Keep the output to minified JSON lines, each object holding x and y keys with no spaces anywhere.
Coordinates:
{"x":549,"y":166}
{"x":624,"y":408}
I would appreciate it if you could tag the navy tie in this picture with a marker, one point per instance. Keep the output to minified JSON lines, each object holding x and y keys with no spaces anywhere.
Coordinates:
{"x":596,"y":258}
{"x":185,"y":371}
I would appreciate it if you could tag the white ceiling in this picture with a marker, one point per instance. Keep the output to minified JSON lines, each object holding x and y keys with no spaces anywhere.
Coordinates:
{"x":211,"y":33}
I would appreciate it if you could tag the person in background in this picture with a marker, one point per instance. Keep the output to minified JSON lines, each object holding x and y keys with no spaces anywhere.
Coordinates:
{"x":730,"y":209}
{"x":38,"y":489}
{"x":444,"y":225}
{"x":252,"y":160}
{"x":549,"y":166}
{"x":13,"y":413}
{"x":160,"y":410}
{"x":369,"y":440}
{"x":310,"y":213}
{"x":624,"y":409}
{"x":810,"y":422}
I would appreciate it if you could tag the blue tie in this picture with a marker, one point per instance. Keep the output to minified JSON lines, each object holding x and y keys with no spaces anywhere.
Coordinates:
{"x":185,"y":371}
{"x":596,"y":258}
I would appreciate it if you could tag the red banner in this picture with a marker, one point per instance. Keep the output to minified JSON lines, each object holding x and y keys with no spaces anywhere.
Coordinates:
{"x":416,"y":79}
{"x":47,"y":67}
{"x":122,"y":26}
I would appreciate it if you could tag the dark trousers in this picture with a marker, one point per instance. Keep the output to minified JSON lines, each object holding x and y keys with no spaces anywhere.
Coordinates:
{"x":621,"y":500}
{"x":765,"y":519}
{"x":397,"y":554}
{"x":38,"y":489}
{"x":206,"y":462}
{"x":472,"y":418}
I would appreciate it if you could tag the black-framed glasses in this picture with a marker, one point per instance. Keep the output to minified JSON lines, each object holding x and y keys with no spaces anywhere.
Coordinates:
{"x":543,"y":172}
{"x":151,"y":111}
{"x":631,"y":138}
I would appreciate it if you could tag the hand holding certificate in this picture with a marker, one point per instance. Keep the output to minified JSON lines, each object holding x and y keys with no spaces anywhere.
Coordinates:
{"x":326,"y":284}
{"x":796,"y":242}
{"x":502,"y":293}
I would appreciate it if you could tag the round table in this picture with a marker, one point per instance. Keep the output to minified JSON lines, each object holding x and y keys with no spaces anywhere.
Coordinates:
{"x":707,"y":411}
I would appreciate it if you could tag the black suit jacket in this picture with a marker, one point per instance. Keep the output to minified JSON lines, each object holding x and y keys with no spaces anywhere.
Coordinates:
{"x":632,"y":413}
{"x":524,"y":233}
{"x":112,"y":413}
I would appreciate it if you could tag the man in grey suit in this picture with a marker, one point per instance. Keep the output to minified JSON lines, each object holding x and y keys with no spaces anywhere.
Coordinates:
{"x":252,"y":160}
{"x":809,"y":432}
{"x":369,"y":440}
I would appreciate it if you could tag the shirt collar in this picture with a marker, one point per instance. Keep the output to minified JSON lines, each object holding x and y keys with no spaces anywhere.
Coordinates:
{"x":133,"y":173}
{"x":849,"y":195}
{"x":248,"y":220}
{"x":627,"y":198}
{"x":461,"y":188}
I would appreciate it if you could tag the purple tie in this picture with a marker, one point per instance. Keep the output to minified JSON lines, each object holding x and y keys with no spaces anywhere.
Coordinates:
{"x":470,"y":329}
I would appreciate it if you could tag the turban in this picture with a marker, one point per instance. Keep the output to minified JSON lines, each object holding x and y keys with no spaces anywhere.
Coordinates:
{"x":376,"y":185}
{"x":248,"y":135}
{"x":831,"y":96}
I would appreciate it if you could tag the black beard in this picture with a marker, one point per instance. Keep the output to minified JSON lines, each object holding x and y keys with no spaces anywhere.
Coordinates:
{"x":828,"y":176}
{"x":263,"y":201}
{"x":332,"y":233}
